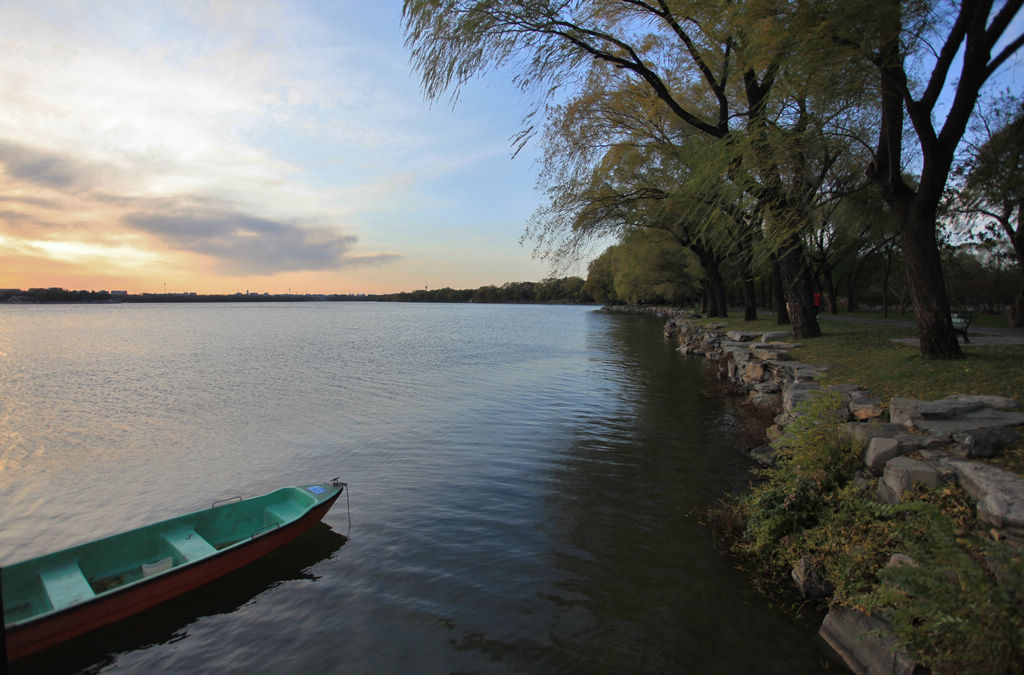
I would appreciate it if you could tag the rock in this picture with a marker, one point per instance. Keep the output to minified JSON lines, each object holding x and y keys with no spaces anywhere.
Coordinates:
{"x":805,"y":372}
{"x":879,"y":451}
{"x":765,"y":399}
{"x":741,"y":336}
{"x":863,"y":643}
{"x":867,"y":408}
{"x":986,"y":442}
{"x":796,"y":393}
{"x":764,"y":455}
{"x":769,"y":387}
{"x":775,"y":335}
{"x":863,"y":433}
{"x":902,"y":472}
{"x":848,"y":391}
{"x":782,"y":419}
{"x":999,"y":493}
{"x":960,"y":405}
{"x":901,"y":409}
{"x":984,"y":418}
{"x":901,"y":560}
{"x":771,"y":354}
{"x":809,"y":581}
{"x":937,"y":456}
{"x":862,"y":479}
{"x":753,"y":372}
{"x":955,"y":414}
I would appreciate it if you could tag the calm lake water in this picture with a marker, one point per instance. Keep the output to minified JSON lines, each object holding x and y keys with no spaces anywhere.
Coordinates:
{"x":522,"y":480}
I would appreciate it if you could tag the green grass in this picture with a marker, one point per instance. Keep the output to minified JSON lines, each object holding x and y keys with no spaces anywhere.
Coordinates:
{"x":863,"y":354}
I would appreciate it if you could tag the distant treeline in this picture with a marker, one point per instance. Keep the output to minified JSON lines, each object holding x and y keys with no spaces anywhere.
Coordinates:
{"x":58,"y":295}
{"x":567,"y":290}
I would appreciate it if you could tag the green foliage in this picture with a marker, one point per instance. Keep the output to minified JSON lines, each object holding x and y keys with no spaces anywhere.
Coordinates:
{"x":813,"y":461}
{"x":646,"y":268}
{"x":960,"y":606}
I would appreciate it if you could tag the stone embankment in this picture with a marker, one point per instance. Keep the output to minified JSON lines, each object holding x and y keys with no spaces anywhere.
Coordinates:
{"x":905,"y":442}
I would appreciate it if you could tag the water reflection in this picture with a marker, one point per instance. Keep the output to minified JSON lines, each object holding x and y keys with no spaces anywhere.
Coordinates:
{"x":170,"y":622}
{"x":634,"y":583}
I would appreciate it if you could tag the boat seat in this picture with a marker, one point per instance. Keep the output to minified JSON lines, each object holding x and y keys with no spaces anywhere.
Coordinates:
{"x":279,"y":513}
{"x":65,"y":585}
{"x":188,"y":543}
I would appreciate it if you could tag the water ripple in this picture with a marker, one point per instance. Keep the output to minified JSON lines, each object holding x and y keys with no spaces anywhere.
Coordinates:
{"x":521,"y":480}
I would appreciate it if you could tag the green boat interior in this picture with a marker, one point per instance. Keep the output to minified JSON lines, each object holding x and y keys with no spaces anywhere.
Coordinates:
{"x":59,"y":580}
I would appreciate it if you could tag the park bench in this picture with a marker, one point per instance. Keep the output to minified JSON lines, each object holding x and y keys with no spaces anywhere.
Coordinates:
{"x":960,"y":324}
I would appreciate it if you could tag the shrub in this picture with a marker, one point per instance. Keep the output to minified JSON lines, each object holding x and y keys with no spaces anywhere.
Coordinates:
{"x":813,"y":460}
{"x":960,"y":606}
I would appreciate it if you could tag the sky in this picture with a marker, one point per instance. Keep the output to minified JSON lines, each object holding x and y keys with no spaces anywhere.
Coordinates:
{"x":250,"y":145}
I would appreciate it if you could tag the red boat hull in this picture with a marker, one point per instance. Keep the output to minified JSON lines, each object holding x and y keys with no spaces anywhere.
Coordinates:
{"x":56,"y":628}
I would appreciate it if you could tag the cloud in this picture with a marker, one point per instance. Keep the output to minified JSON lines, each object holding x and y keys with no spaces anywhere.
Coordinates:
{"x":41,"y":167}
{"x":245,"y":245}
{"x":241,"y":244}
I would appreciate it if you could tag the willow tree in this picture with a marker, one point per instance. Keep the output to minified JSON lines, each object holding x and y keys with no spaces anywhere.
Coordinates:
{"x":614,"y":162}
{"x":932,"y":59}
{"x":717,"y":69}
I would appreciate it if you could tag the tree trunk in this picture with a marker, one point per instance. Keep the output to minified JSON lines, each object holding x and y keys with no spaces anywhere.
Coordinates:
{"x":830,"y":292}
{"x":719,"y":302}
{"x":1017,"y":239}
{"x":927,"y":286}
{"x":1017,"y":311}
{"x":781,"y":315}
{"x":852,"y":302}
{"x":885,"y":285}
{"x":796,"y":286}
{"x":749,"y":300}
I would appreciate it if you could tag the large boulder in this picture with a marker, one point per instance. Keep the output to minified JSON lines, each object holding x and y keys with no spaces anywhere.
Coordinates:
{"x":986,"y":442}
{"x":999,"y":493}
{"x":863,"y":644}
{"x":880,"y":450}
{"x":955,"y":414}
{"x":960,"y":405}
{"x":902,"y":473}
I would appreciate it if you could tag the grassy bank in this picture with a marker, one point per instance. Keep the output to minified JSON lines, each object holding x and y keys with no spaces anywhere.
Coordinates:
{"x":864,"y":354}
{"x":953,"y":594}
{"x":951,"y":589}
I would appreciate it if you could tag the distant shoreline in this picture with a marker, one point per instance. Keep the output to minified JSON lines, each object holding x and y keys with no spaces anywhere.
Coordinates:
{"x":203,"y":299}
{"x":565,"y":291}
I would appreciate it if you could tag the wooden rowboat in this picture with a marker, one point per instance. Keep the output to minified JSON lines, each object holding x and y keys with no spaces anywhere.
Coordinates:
{"x":58,"y":596}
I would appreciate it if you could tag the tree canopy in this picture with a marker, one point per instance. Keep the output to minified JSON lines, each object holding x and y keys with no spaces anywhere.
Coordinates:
{"x":735,"y":129}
